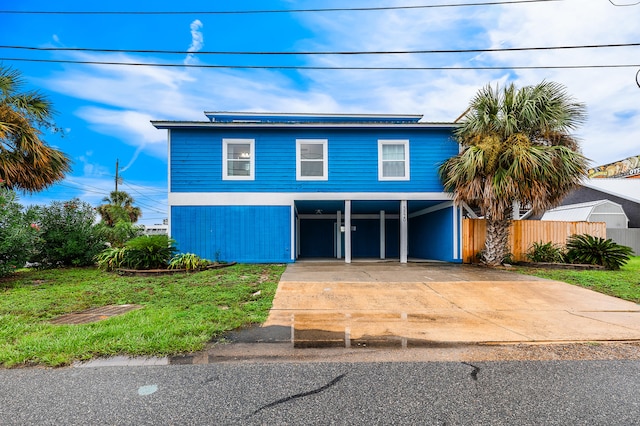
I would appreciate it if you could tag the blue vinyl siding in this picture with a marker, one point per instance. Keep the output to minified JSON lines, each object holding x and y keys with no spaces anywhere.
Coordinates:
{"x":248,"y":234}
{"x":196,"y":160}
{"x":430,"y":236}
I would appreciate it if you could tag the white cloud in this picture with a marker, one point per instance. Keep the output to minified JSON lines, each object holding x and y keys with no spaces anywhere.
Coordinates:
{"x":613,"y":129}
{"x":133,"y":125}
{"x":126,"y":98}
{"x":197,"y":41}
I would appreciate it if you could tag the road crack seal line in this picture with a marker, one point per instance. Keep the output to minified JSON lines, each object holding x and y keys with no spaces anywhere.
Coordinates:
{"x":301,"y":395}
{"x":474,"y":373}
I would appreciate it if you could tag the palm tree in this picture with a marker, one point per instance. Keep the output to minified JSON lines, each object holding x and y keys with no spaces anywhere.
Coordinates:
{"x":119,"y":207}
{"x":516,"y":147}
{"x":26,"y":161}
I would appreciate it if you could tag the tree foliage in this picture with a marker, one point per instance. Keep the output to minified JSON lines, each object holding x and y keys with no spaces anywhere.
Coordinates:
{"x":118,"y":207}
{"x":517,"y":146}
{"x":26,"y":161}
{"x":18,"y":232}
{"x":68,"y":235}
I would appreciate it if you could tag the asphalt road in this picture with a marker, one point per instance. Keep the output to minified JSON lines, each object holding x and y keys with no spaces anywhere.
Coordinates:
{"x":426,"y":393}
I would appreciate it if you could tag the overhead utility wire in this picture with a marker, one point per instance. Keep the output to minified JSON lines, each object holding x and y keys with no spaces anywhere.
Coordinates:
{"x":312,"y":67}
{"x":254,"y":12}
{"x":623,"y":5}
{"x":373,"y":52}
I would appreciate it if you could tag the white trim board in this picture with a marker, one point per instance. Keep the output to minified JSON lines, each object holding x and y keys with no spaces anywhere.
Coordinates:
{"x":288,"y":198}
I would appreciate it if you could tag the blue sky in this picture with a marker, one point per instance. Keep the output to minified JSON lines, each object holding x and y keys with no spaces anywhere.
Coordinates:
{"x":106,"y":109}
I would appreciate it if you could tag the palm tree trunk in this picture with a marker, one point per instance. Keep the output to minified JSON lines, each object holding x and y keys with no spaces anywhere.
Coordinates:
{"x":496,"y":242}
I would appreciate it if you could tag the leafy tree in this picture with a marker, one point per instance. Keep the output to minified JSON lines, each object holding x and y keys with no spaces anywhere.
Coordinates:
{"x":68,"y":235}
{"x":26,"y":161}
{"x":516,"y":147}
{"x":119,"y":207}
{"x":121,"y":232}
{"x":18,"y":232}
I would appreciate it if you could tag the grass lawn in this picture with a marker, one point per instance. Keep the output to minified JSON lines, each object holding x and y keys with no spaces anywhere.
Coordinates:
{"x":624,"y":283}
{"x":180,"y":313}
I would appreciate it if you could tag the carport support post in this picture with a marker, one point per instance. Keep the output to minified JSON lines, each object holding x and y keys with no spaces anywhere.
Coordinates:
{"x":347,"y":231}
{"x":339,"y":234}
{"x":404,"y":232}
{"x":382,"y":235}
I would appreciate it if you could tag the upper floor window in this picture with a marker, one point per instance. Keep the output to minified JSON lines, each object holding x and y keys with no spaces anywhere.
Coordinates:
{"x":238,"y":157}
{"x":393,"y":160}
{"x":311,"y":159}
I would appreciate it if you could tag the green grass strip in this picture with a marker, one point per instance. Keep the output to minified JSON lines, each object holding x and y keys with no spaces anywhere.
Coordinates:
{"x":624,"y":283}
{"x":180,"y":313}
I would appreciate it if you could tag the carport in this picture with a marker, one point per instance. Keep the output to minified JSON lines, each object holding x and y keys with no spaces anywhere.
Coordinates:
{"x":377,"y":229}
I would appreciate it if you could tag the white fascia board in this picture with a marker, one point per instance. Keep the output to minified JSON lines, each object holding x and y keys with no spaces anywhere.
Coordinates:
{"x":288,"y":198}
{"x":310,"y":114}
{"x":222,"y":125}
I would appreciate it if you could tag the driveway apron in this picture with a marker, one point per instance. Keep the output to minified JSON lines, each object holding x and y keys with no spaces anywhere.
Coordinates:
{"x":429,"y":304}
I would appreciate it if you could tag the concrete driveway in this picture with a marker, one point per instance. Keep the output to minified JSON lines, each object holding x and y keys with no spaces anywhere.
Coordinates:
{"x":425,"y":304}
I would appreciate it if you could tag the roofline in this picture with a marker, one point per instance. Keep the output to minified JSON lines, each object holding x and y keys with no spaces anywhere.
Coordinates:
{"x":586,"y":204}
{"x":161,"y":124}
{"x":587,"y":183}
{"x":310,"y":114}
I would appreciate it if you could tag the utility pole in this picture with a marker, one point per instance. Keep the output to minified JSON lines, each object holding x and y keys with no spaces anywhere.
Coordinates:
{"x":116,"y":175}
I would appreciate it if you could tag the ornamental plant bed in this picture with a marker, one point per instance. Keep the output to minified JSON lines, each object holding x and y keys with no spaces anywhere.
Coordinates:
{"x":155,"y":272}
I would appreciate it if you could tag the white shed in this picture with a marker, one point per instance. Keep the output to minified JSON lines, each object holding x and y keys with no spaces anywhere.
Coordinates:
{"x":594,"y":211}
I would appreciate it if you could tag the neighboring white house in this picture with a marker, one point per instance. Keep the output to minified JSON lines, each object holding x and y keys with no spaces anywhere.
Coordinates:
{"x":593,"y":211}
{"x":156,"y":229}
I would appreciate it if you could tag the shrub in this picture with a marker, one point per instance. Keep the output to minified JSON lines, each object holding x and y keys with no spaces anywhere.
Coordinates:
{"x":18,"y":232}
{"x":188,"y":261}
{"x":68,"y":236}
{"x":546,"y":252}
{"x":111,"y":258}
{"x":592,"y":250}
{"x":148,"y":252}
{"x":121,"y":232}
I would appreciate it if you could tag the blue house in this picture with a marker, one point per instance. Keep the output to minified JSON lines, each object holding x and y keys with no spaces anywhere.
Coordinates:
{"x":262,"y":188}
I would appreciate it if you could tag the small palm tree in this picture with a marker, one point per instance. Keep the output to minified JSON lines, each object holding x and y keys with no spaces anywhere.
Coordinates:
{"x":26,"y":161}
{"x":118,"y":207}
{"x":516,"y":147}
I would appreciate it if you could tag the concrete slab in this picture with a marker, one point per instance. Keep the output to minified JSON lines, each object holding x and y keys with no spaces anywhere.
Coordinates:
{"x":422,"y":304}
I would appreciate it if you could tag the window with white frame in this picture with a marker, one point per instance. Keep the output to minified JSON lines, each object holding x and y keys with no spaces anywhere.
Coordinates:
{"x":311,"y":159}
{"x":393,"y":160}
{"x":238,"y":159}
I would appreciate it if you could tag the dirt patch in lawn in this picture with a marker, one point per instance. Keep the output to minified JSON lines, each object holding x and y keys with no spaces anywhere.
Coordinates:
{"x":94,"y":314}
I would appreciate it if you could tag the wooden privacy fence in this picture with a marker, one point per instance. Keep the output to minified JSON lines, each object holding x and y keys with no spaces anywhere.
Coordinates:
{"x":523,"y":233}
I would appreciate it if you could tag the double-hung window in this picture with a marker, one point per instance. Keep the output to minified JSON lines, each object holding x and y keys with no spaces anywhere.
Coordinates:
{"x":311,"y":159}
{"x":238,"y":159}
{"x":393,"y":160}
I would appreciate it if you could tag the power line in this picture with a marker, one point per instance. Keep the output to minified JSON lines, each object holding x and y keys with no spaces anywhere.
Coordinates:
{"x":375,"y":52}
{"x":142,"y":195}
{"x":266,"y":11}
{"x":314,"y":67}
{"x":624,"y":5}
